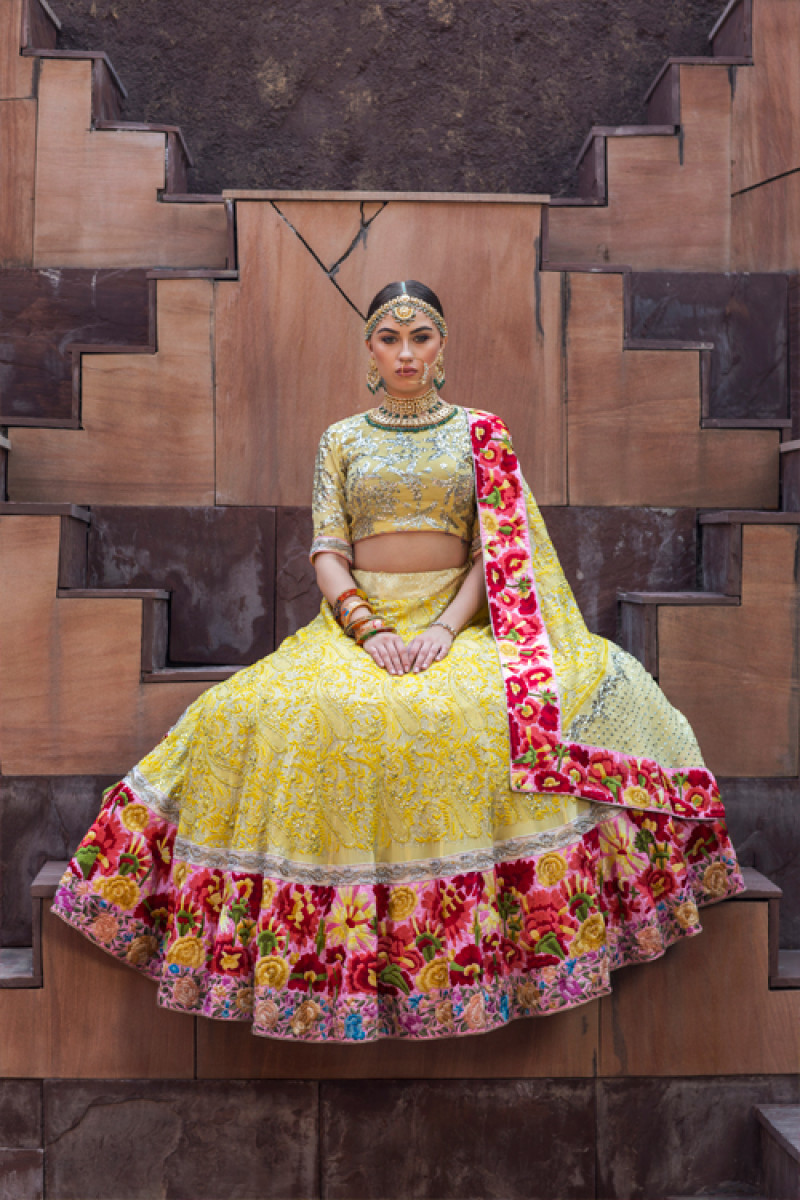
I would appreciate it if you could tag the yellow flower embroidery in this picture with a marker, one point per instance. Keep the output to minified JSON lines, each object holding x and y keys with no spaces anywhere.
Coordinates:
{"x":591,"y":935}
{"x":551,"y":868}
{"x":715,"y":879}
{"x":268,"y":893}
{"x":272,"y":972}
{"x":180,"y":874}
{"x":351,"y":919}
{"x":527,"y":994}
{"x":433,"y":975}
{"x":637,"y":797}
{"x":686,"y":914}
{"x":402,"y":903}
{"x":187,"y":952}
{"x":135,"y":817}
{"x":120,"y":891}
{"x":230,"y":962}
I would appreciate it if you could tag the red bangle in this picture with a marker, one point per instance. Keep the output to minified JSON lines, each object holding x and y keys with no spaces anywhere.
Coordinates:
{"x":337,"y":604}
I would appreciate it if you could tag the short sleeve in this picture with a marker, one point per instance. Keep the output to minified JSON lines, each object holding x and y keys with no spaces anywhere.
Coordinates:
{"x":331,"y":526}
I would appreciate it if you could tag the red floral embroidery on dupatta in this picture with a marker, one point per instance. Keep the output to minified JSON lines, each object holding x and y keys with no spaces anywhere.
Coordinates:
{"x":541,"y":760}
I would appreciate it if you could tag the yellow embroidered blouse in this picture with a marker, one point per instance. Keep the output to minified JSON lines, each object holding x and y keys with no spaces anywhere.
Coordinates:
{"x":369,"y":481}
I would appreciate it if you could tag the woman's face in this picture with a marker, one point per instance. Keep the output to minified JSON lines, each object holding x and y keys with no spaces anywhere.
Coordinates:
{"x":403,"y":352}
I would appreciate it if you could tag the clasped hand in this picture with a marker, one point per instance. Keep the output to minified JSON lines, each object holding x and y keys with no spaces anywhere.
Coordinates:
{"x":389,"y":650}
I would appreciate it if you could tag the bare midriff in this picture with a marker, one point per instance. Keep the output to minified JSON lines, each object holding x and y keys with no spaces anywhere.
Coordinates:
{"x":426,"y":550}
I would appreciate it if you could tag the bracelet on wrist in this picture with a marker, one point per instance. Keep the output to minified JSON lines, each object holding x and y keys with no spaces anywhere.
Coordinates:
{"x":453,"y":632}
{"x":340,"y":599}
{"x":367,"y":634}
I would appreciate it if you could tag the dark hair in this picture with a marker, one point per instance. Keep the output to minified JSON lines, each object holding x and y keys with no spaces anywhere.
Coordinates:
{"x":412,"y":287}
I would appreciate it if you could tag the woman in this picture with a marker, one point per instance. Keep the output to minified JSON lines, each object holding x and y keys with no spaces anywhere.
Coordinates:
{"x":441,"y":805}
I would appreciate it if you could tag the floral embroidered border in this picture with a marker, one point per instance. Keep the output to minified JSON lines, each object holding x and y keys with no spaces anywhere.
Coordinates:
{"x":462,"y":953}
{"x":541,"y":760}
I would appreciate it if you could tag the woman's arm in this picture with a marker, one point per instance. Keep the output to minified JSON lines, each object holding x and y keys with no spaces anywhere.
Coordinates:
{"x":433,"y":644}
{"x":333,"y":578}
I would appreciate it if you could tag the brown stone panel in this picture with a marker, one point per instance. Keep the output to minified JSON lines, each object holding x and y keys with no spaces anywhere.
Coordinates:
{"x":764,"y":822}
{"x":504,"y":352}
{"x":634,"y":430}
{"x":329,"y":228}
{"x":562,"y":1046}
{"x":290,"y":360}
{"x":765,"y":138}
{"x":41,"y":818}
{"x":744,"y":316}
{"x":97,"y":191}
{"x":94,"y":1018}
{"x":734,"y":671}
{"x":16,"y":72}
{"x":683,"y":1137}
{"x":297,"y":597}
{"x":147,"y":434}
{"x":765,"y":226}
{"x":204,"y":1140}
{"x":709,"y":1009}
{"x":71,"y":701}
{"x":217,"y":563}
{"x":668,"y":198}
{"x":17,"y":175}
{"x":470,"y":1141}
{"x":45,"y":311}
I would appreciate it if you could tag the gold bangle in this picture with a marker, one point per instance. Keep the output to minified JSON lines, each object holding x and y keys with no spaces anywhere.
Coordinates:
{"x":453,"y":632}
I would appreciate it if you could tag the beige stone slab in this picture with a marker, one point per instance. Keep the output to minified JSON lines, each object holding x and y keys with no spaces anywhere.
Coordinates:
{"x":94,"y":1018}
{"x":705,"y":1007}
{"x":735,"y":672}
{"x":766,"y":100}
{"x":634,"y":434}
{"x":290,"y":360}
{"x":561,"y":1046}
{"x":668,"y":198}
{"x":504,"y":352}
{"x":17,"y":172}
{"x":71,"y":700}
{"x":97,"y":190}
{"x":147,"y":433}
{"x":330,"y":228}
{"x":16,"y":72}
{"x":766,"y":227}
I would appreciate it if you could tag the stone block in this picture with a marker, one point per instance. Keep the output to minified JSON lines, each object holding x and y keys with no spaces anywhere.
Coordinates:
{"x":684,"y":1137}
{"x":137,"y":1140}
{"x":744,"y":316}
{"x":20,"y":1114}
{"x":764,"y":822}
{"x":219,"y":564}
{"x":297,"y":597}
{"x":470,"y":1139}
{"x":41,"y":817}
{"x":21,"y":1175}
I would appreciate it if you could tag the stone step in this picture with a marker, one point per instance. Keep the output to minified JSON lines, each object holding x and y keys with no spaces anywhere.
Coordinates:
{"x":780,"y":1148}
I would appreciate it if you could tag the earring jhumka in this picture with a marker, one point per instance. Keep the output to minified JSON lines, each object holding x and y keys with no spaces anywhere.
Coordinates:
{"x":373,"y":376}
{"x":439,"y":376}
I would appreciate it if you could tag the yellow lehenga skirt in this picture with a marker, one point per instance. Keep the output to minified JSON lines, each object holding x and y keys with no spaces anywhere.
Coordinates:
{"x":335,"y":853}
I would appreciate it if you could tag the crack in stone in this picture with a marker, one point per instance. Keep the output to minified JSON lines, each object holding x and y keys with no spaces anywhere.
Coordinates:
{"x":359,"y":239}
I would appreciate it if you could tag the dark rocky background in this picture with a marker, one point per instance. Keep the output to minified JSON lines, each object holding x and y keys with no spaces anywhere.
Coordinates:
{"x":417,"y":95}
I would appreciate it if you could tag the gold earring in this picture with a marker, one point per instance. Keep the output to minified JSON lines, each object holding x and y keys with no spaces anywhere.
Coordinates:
{"x":373,"y":376}
{"x":439,"y":377}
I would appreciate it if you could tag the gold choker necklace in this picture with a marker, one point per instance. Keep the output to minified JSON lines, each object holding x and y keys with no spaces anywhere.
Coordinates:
{"x":420,"y":412}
